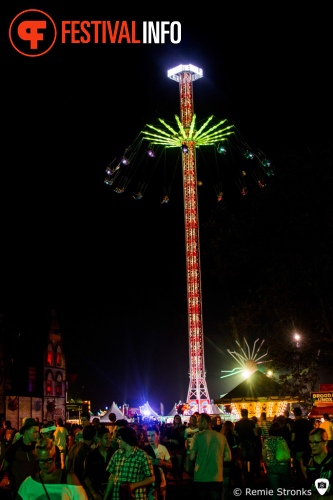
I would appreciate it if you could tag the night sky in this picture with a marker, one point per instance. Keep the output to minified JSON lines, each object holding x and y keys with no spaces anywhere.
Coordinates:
{"x":114,"y":267}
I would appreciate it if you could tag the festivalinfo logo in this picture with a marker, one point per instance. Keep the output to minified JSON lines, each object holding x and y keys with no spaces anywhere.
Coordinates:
{"x":33,"y":32}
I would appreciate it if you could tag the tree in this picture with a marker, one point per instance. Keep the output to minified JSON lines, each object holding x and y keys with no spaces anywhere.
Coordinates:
{"x":273,"y":254}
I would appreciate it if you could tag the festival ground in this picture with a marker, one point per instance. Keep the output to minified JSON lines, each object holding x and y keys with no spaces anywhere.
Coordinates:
{"x":185,"y":492}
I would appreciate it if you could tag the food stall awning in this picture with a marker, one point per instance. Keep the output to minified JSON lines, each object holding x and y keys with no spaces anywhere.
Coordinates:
{"x":318,"y":411}
{"x":258,"y":393}
{"x":257,"y":387}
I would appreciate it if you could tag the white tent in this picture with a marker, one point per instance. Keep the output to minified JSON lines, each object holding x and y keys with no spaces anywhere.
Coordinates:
{"x":146,"y":410}
{"x":173,"y":412}
{"x":215,"y":410}
{"x":114,"y":409}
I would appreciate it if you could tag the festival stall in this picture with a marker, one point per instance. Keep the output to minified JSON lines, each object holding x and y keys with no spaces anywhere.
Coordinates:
{"x":322,"y":403}
{"x":113,"y":409}
{"x":257,"y":393}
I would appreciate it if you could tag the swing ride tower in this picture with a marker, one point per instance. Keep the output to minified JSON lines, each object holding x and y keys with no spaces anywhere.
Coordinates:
{"x":188,"y":136}
{"x":197,"y":396}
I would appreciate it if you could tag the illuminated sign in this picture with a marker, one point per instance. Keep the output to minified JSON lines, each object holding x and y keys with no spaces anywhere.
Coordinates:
{"x":322,"y":397}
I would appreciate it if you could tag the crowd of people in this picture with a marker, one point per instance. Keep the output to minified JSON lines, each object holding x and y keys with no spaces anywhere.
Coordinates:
{"x":137,"y":460}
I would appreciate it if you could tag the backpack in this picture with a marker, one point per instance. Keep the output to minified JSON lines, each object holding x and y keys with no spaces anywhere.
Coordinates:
{"x":282,"y":453}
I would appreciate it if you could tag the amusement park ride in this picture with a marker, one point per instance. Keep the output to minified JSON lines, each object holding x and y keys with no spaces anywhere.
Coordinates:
{"x":188,"y":139}
{"x":197,"y":395}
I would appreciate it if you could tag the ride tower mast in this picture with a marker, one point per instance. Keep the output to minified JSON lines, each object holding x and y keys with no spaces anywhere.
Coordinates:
{"x":197,"y":396}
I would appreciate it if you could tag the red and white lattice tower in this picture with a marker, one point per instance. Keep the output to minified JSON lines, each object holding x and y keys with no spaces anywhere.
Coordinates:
{"x":197,"y":397}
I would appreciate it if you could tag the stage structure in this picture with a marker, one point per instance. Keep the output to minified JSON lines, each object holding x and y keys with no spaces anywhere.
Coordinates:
{"x":188,"y":136}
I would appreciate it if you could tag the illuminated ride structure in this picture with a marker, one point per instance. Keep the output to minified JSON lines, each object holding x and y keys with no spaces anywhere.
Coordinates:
{"x":197,"y":396}
{"x":188,"y":139}
{"x":247,"y":361}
